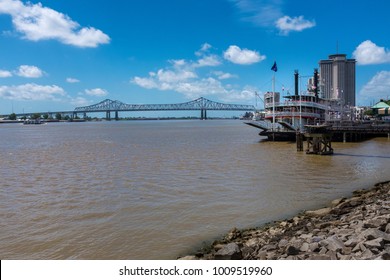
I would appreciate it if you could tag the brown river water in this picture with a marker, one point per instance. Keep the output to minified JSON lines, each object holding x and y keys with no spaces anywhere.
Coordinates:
{"x":159,"y":189}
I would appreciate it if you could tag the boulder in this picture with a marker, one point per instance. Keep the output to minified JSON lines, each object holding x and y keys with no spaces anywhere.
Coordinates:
{"x":387,"y":229}
{"x":352,"y":242}
{"x":292,"y":251}
{"x":367,"y":254}
{"x":229,"y":252}
{"x":375,"y":223}
{"x":373,"y":233}
{"x":334,"y":244}
{"x":283,"y":243}
{"x":319,"y":212}
{"x":374,"y":243}
{"x":233,"y":234}
{"x":305,"y":247}
{"x":386,"y":256}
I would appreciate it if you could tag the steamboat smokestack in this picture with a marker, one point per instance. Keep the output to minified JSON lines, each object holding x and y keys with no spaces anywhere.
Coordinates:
{"x":296,"y":77}
{"x":315,"y":80}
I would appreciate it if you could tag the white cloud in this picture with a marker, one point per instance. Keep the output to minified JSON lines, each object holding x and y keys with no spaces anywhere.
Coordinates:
{"x":80,"y":101}
{"x":189,"y":78}
{"x":203,"y":49}
{"x":242,"y":56}
{"x":29,"y":71}
{"x":190,"y":86}
{"x":286,"y":24}
{"x":377,"y":88}
{"x":260,"y":12}
{"x":36,"y":23}
{"x":5,"y":74}
{"x":31,"y":92}
{"x":96,"y":92}
{"x":268,"y":13}
{"x":147,"y":83}
{"x":72,"y":80}
{"x":170,"y":76}
{"x":369,"y":53}
{"x":223,"y":76}
{"x":211,"y":60}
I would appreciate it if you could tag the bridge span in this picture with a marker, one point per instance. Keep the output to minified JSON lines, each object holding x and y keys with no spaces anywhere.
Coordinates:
{"x":107,"y":106}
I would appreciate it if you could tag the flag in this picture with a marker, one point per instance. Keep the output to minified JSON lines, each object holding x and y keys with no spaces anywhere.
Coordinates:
{"x":274,"y":67}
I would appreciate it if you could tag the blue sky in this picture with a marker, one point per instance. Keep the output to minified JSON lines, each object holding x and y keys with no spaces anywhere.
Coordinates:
{"x":59,"y":54}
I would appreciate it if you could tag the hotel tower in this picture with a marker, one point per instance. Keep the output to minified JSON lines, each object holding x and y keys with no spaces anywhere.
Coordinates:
{"x":337,"y":79}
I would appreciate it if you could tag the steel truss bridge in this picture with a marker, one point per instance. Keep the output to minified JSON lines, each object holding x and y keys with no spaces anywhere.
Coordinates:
{"x":201,"y":104}
{"x":107,"y":106}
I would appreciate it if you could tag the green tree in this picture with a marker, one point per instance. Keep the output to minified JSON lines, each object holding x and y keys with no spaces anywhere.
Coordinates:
{"x":36,"y":116}
{"x":12,"y":116}
{"x":45,"y":116}
{"x":58,"y":116}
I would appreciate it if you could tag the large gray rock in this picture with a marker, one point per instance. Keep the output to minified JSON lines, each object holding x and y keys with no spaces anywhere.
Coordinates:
{"x":375,"y":222}
{"x":334,"y":244}
{"x":229,"y":252}
{"x":387,"y":230}
{"x":373,"y":233}
{"x":374,"y":243}
{"x":305,"y":247}
{"x":319,"y":212}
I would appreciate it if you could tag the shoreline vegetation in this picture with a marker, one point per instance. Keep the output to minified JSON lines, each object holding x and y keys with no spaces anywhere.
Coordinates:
{"x":354,"y":228}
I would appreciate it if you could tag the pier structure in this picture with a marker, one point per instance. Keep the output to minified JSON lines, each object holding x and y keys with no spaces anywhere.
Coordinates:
{"x":319,"y":140}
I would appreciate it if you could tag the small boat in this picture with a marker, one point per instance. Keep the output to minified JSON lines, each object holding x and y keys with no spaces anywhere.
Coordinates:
{"x":31,"y":121}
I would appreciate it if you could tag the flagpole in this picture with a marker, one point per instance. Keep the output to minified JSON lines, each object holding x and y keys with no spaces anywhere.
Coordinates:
{"x":274,"y":68}
{"x":273,"y":102}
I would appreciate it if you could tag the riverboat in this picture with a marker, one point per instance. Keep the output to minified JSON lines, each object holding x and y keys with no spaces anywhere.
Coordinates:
{"x":283,"y":119}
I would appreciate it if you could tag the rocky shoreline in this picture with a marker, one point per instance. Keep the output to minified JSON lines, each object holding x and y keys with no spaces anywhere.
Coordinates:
{"x":355,"y":228}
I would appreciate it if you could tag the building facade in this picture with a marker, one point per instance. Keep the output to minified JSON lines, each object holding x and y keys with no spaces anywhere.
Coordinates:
{"x":337,"y":79}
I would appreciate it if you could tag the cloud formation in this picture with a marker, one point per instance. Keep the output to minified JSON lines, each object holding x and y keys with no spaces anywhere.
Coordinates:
{"x":186,"y":78}
{"x":72,"y":80}
{"x":242,"y":56}
{"x":32,"y":92}
{"x":96,"y":92}
{"x":377,"y":88}
{"x":37,"y":23}
{"x":29,"y":71}
{"x":287,"y":24}
{"x":268,"y":13}
{"x":369,"y":53}
{"x":5,"y":74}
{"x":261,"y":13}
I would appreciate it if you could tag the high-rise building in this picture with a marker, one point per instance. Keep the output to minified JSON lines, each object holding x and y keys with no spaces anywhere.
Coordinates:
{"x":337,"y":79}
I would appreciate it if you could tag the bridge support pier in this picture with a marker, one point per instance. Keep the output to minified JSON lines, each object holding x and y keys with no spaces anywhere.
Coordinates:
{"x":203,"y":114}
{"x":108,"y":116}
{"x":116,"y":115}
